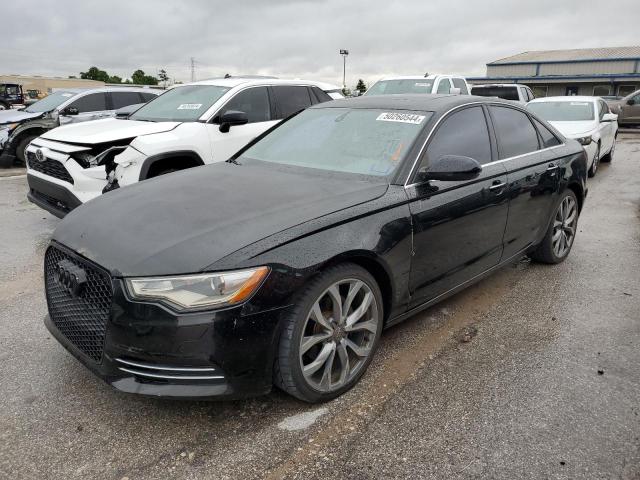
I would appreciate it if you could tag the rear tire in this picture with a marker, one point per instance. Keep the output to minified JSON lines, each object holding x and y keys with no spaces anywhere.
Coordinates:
{"x":325,"y":345}
{"x":558,"y":240}
{"x":608,"y":158}
{"x":594,"y":166}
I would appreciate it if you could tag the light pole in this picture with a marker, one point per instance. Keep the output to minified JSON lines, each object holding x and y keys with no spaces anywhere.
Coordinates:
{"x":344,"y":54}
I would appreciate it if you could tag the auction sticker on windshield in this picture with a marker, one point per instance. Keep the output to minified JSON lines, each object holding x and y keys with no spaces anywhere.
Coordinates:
{"x":401,"y":117}
{"x":189,"y":106}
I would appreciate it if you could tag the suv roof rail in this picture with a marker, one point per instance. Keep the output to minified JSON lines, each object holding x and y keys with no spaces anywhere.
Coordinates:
{"x":249,"y":76}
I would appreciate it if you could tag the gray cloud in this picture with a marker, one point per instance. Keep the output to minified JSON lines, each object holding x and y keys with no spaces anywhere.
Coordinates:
{"x":298,"y":39}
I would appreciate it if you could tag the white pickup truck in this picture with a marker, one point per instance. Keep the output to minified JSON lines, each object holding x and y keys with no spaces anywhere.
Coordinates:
{"x":434,"y":83}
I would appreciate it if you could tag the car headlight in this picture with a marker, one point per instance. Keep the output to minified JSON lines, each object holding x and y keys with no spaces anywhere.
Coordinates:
{"x":585,"y":140}
{"x":8,"y":126}
{"x":199,"y":291}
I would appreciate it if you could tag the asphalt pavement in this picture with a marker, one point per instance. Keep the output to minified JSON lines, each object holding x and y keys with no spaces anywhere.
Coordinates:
{"x":532,"y":373}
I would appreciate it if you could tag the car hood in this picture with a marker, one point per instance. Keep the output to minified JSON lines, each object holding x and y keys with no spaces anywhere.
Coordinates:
{"x":574,"y":129}
{"x":17,"y":116}
{"x":107,"y":130}
{"x":185,"y":221}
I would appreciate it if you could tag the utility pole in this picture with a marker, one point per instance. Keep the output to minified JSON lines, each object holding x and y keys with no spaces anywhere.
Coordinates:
{"x":193,"y":69}
{"x":344,"y":54}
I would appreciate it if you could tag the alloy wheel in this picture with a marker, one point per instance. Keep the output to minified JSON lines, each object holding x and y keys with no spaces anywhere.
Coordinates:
{"x":564,"y":226}
{"x":338,"y":335}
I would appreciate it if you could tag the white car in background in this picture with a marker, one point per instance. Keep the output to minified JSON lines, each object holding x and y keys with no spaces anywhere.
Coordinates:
{"x":586,"y":119}
{"x":187,"y":126}
{"x":445,"y":84}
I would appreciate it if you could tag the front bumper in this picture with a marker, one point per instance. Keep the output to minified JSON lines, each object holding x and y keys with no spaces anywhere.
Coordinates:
{"x":52,"y":197}
{"x":151,"y":350}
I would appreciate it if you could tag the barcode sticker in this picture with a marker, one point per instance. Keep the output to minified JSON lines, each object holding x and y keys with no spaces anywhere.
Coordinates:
{"x":401,"y":117}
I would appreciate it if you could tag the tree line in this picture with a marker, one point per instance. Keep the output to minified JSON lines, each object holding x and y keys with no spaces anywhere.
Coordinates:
{"x":138,"y":77}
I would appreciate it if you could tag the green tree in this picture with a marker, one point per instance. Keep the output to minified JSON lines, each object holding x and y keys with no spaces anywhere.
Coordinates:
{"x":115,"y":79}
{"x":94,"y":73}
{"x":361,"y":86}
{"x":139,"y":78}
{"x":163,"y":77}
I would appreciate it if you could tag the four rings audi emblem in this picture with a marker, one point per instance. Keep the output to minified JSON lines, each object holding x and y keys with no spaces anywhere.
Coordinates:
{"x":71,"y":277}
{"x":39,"y":155}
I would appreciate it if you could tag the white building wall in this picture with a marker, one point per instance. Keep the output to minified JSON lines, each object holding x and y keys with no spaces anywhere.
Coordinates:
{"x":511,"y":70}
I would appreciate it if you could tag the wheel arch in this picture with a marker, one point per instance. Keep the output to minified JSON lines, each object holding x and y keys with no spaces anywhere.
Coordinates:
{"x":576,"y":188}
{"x":179,"y":159}
{"x":21,"y":133}
{"x":375,"y":266}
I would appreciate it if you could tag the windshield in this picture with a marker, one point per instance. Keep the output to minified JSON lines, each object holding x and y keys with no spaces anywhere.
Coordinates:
{"x":563,"y":111}
{"x":507,"y":93}
{"x":49,"y":102}
{"x":361,"y":141}
{"x":180,"y":104}
{"x":388,"y":87}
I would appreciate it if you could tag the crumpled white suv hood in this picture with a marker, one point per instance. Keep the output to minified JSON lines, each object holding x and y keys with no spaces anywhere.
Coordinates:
{"x":107,"y":130}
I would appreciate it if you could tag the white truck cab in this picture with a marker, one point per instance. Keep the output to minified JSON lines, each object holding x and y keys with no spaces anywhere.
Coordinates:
{"x":188,"y":125}
{"x":435,"y":83}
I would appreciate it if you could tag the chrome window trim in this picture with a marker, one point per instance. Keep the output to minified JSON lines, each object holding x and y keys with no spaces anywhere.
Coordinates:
{"x":446,"y":114}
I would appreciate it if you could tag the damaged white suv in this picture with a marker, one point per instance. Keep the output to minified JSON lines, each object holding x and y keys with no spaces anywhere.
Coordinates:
{"x":187,"y":126}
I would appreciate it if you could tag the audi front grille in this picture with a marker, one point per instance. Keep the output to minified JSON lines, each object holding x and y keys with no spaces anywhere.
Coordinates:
{"x":79,"y":296}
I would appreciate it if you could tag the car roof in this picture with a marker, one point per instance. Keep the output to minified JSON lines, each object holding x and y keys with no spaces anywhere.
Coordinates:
{"x":108,"y":89}
{"x":248,"y":81}
{"x":570,"y":98}
{"x":497,"y":85}
{"x":438,"y":103}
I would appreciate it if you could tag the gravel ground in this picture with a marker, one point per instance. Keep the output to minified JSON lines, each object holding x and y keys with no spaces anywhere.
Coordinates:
{"x":533,"y":373}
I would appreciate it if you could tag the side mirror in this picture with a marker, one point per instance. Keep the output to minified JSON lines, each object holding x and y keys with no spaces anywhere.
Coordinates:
{"x":455,"y":91}
{"x":451,"y":168}
{"x":609,"y":117}
{"x":232,"y":118}
{"x":70,"y":111}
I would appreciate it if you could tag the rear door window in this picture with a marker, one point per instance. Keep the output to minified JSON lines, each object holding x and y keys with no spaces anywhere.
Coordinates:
{"x":461,"y":84}
{"x":320,"y":95}
{"x":94,"y":102}
{"x":252,"y":101}
{"x":147,"y":97}
{"x":516,"y":134}
{"x":462,"y":133}
{"x":547,"y":136}
{"x":290,"y":99}
{"x":124,"y":99}
{"x":444,"y":86}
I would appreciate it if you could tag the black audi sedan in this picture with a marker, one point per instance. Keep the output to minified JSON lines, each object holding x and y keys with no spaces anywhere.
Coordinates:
{"x":284,"y":264}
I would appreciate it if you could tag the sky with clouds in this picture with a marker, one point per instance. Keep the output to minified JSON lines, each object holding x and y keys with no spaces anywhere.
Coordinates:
{"x":299,"y":39}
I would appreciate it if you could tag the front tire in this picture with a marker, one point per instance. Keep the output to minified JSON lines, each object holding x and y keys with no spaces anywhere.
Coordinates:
{"x":21,"y":149}
{"x":608,"y":158}
{"x":558,"y":240}
{"x":330,"y":335}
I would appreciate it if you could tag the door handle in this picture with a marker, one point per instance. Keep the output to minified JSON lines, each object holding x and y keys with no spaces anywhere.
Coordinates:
{"x":552,"y":167}
{"x":497,"y":185}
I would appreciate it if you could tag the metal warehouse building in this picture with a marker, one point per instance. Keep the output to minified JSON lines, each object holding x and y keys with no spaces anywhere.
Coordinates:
{"x":589,"y":71}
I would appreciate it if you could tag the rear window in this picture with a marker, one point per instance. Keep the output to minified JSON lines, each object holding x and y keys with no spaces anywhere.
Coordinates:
{"x":563,"y":111}
{"x":506,"y":93}
{"x":290,"y":100}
